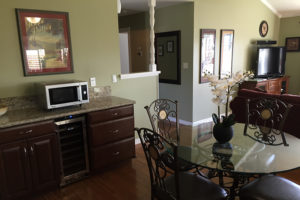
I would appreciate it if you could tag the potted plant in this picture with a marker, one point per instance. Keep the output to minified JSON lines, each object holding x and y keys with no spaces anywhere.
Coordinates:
{"x":223,"y":90}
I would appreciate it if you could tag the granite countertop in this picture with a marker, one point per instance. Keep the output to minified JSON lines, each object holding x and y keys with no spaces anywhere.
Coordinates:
{"x":30,"y":115}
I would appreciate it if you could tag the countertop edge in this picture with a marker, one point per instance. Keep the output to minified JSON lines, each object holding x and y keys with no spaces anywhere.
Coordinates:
{"x":45,"y":115}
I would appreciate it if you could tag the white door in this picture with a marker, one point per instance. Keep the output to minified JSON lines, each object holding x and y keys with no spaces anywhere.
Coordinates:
{"x":124,"y":52}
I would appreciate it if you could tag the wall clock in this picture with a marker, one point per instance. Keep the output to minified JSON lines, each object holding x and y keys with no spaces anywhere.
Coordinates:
{"x":263,"y":28}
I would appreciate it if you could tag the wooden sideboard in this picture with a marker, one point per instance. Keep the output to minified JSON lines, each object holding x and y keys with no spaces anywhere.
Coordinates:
{"x":278,"y":85}
{"x":30,"y":153}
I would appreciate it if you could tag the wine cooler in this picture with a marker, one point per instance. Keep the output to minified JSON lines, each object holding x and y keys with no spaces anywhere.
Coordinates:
{"x":73,"y":148}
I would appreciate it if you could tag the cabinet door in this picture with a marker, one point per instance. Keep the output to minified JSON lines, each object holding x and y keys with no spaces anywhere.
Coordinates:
{"x":15,"y":175}
{"x":274,"y":87}
{"x":44,"y":161}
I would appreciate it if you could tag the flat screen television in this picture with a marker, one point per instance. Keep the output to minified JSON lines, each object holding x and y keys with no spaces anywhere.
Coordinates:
{"x":270,"y":62}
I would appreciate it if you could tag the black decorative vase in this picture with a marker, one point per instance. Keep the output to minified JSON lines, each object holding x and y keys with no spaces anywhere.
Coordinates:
{"x":222,"y":134}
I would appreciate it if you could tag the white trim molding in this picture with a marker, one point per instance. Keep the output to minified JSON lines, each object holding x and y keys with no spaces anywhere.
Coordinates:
{"x":196,"y":123}
{"x":188,"y":123}
{"x":139,"y":75}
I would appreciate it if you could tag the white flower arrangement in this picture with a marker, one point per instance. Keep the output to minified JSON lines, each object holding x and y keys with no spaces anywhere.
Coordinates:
{"x":223,"y":90}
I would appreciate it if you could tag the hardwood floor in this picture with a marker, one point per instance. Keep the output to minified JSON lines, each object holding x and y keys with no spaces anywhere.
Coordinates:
{"x":128,"y":180}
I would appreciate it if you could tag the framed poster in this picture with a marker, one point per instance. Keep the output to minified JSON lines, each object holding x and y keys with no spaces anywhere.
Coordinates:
{"x":160,"y":50}
{"x":170,"y":46}
{"x":45,"y":42}
{"x":292,"y":44}
{"x":207,"y":53}
{"x":226,"y":53}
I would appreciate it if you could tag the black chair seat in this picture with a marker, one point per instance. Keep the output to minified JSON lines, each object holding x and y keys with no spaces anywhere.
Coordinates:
{"x":270,"y":187}
{"x":193,"y":186}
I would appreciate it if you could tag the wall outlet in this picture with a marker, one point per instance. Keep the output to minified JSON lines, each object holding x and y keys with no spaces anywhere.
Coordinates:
{"x":114,"y":78}
{"x":93,"y":81}
{"x":97,"y":90}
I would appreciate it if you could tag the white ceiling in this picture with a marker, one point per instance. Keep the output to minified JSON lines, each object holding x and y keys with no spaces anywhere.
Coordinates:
{"x":284,"y":8}
{"x":134,"y":6}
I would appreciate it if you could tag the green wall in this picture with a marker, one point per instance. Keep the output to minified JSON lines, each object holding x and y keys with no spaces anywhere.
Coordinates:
{"x":242,"y":16}
{"x":95,"y":45}
{"x":290,"y":27}
{"x":173,"y":18}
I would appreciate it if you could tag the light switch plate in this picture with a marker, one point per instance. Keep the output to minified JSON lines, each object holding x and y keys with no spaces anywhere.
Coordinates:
{"x":114,"y":78}
{"x":93,"y":81}
{"x":185,"y":65}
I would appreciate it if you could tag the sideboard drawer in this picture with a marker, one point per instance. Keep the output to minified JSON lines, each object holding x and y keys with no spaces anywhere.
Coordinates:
{"x":26,"y":131}
{"x":111,"y":131}
{"x":112,"y":153}
{"x":110,"y":114}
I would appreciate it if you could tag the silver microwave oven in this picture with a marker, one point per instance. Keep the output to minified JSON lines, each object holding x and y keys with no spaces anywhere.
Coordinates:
{"x":62,"y":94}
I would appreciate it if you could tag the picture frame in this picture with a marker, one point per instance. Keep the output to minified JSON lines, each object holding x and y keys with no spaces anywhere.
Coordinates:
{"x":292,"y":44}
{"x":169,"y":64}
{"x":170,"y":46}
{"x":207,"y":53}
{"x":160,"y":50}
{"x":226,"y":53}
{"x":45,"y":42}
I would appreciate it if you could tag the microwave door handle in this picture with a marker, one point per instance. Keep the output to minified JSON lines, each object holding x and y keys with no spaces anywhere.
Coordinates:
{"x":79,"y":93}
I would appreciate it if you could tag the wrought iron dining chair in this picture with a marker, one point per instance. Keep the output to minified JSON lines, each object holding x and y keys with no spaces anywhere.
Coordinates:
{"x":168,"y":184}
{"x":270,"y":187}
{"x":265,"y":118}
{"x":163,"y":116}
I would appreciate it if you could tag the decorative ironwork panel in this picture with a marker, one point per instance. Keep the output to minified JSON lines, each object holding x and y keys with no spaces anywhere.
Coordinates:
{"x":265,"y":118}
{"x":164,"y":118}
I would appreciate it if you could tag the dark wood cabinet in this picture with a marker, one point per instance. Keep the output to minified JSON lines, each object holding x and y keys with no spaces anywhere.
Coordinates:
{"x":29,"y":164}
{"x":272,"y":86}
{"x":15,"y":173}
{"x":111,"y":136}
{"x":30,"y":156}
{"x":44,"y":164}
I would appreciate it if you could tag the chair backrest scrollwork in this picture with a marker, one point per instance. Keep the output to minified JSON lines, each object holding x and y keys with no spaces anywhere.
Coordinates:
{"x":265,"y":118}
{"x":163,"y":116}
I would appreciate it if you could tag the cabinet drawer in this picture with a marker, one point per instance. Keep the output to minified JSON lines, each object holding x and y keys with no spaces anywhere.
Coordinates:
{"x":111,"y":131}
{"x":112,"y":153}
{"x":26,"y":131}
{"x":262,"y":85}
{"x":110,"y":114}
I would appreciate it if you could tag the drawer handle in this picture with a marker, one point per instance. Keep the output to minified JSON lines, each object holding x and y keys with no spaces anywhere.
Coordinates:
{"x":26,"y":132}
{"x":115,"y":114}
{"x":115,"y":132}
{"x":31,"y":149}
{"x":116,"y":153}
{"x":25,"y":151}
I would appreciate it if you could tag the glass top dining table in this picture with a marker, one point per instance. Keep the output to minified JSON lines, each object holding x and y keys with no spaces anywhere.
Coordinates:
{"x":240,"y":155}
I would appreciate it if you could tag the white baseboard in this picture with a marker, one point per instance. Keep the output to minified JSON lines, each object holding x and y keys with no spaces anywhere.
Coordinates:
{"x":196,"y":123}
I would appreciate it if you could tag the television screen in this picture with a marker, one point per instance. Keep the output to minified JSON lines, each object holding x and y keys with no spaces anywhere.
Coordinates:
{"x":270,"y":61}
